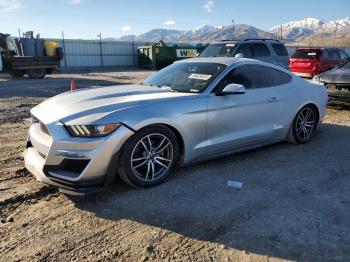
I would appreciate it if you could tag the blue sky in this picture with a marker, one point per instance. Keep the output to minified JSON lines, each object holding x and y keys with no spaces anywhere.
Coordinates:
{"x":113,"y":18}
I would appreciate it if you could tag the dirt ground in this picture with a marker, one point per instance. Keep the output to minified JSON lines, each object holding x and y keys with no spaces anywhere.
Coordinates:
{"x":294,"y":204}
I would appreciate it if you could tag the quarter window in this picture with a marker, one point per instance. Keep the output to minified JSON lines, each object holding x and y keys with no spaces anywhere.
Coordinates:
{"x":254,"y":76}
{"x":280,"y":49}
{"x":260,"y":50}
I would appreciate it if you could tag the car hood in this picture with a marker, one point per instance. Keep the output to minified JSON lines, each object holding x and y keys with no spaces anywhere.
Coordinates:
{"x":336,"y":76}
{"x":89,"y":106}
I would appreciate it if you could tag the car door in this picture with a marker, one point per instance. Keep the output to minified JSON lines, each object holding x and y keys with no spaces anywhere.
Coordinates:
{"x":241,"y":120}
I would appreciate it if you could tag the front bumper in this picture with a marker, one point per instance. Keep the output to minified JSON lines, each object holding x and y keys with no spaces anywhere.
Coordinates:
{"x":75,"y":165}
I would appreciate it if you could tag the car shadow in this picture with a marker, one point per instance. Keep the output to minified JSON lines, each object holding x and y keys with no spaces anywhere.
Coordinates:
{"x":294,"y":203}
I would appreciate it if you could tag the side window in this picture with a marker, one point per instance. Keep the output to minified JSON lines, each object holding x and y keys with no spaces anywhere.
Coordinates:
{"x":343,"y":55}
{"x":280,"y":49}
{"x":254,"y":76}
{"x":277,"y":77}
{"x":260,"y":50}
{"x":333,"y":54}
{"x":235,"y":76}
{"x":245,"y":50}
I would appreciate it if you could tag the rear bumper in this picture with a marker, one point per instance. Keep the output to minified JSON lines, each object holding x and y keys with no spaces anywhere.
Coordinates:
{"x":306,"y":75}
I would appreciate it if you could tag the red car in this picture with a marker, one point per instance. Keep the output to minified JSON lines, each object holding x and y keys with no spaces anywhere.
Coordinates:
{"x":308,"y":62}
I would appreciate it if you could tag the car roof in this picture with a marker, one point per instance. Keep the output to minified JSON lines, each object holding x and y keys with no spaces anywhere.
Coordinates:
{"x":249,"y":40}
{"x":230,"y":61}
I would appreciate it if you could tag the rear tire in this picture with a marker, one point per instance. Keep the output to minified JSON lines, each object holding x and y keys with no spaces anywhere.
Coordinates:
{"x":36,"y":73}
{"x":149,"y":156}
{"x":305,"y":124}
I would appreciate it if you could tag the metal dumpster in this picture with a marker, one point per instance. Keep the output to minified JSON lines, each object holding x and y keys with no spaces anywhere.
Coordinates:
{"x":161,"y":55}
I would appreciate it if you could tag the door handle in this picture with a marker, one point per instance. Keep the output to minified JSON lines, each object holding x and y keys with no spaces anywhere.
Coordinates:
{"x":273,"y":99}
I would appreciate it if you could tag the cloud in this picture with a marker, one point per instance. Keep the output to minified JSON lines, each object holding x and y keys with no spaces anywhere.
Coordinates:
{"x":209,"y":6}
{"x":9,"y":5}
{"x":75,"y":2}
{"x":126,"y":28}
{"x":169,"y":22}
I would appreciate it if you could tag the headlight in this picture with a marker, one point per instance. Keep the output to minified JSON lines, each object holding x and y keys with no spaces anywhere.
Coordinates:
{"x":91,"y":130}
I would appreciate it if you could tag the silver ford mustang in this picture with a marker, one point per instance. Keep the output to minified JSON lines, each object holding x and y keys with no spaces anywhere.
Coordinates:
{"x":192,"y":110}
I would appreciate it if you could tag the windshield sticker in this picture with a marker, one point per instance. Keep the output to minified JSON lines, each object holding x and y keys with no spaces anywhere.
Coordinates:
{"x":200,"y":76}
{"x":194,"y":90}
{"x":227,"y":45}
{"x":311,"y":53}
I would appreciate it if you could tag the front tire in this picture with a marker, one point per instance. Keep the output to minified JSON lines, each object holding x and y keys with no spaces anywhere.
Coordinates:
{"x":305,"y":124}
{"x":149,"y":156}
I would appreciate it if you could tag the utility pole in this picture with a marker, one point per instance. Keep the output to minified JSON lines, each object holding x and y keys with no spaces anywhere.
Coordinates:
{"x":281,"y":32}
{"x":19,"y":32}
{"x":335,"y":33}
{"x":101,"y":54}
{"x":233,"y":29}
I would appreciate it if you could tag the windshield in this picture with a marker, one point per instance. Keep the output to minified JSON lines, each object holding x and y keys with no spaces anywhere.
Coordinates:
{"x":192,"y":77}
{"x":218,"y":50}
{"x":346,"y":65}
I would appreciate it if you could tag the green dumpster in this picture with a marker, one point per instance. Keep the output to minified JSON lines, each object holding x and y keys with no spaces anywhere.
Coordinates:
{"x":161,"y":55}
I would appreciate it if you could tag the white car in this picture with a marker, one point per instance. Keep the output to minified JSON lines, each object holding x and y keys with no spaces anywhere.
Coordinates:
{"x":192,"y":110}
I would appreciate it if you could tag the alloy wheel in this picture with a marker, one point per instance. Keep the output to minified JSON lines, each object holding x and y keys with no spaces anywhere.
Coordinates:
{"x":152,"y":157}
{"x":305,"y":123}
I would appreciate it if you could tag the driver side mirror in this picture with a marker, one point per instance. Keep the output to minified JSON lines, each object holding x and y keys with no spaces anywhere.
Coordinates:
{"x":232,"y":89}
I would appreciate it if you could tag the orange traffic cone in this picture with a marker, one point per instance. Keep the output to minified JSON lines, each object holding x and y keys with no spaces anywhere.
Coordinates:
{"x":73,"y":85}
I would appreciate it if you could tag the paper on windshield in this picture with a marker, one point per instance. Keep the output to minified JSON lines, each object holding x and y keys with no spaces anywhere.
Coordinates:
{"x":200,"y":76}
{"x":311,"y":53}
{"x":230,"y":45}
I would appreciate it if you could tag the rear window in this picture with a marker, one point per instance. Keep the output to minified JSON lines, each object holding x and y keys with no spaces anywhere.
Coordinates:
{"x":306,"y":54}
{"x":280,"y":49}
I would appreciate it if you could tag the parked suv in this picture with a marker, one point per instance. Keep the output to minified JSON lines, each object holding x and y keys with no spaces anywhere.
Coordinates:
{"x":308,"y":62}
{"x":266,"y":50}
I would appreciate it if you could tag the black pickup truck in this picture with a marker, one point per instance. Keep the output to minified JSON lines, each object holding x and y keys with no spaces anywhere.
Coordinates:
{"x":18,"y":63}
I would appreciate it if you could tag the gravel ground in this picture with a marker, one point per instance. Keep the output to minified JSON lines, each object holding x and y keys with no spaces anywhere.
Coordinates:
{"x":294,"y":204}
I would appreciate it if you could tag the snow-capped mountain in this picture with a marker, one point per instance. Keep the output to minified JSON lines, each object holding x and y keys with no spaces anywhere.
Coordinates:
{"x":204,"y":33}
{"x":292,"y":31}
{"x":297,"y":29}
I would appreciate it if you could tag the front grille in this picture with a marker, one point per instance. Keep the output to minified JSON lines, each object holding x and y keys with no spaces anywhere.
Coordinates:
{"x":76,"y":166}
